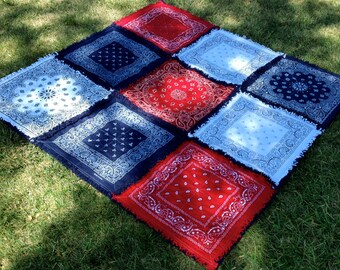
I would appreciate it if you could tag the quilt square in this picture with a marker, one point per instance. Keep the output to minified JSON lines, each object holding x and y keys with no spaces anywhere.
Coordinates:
{"x":226,"y":57}
{"x":113,"y":146}
{"x":45,"y":95}
{"x":168,"y":27}
{"x":114,"y":55}
{"x":300,"y":87}
{"x":199,"y":200}
{"x":264,"y":138}
{"x":178,"y":95}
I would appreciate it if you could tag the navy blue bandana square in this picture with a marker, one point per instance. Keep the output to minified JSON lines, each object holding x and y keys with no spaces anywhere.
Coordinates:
{"x":113,"y":146}
{"x":113,"y":55}
{"x":114,"y":139}
{"x":300,"y":87}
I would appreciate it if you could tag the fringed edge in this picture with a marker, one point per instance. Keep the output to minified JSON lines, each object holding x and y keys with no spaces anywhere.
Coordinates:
{"x":223,"y":103}
{"x":162,"y":57}
{"x":90,"y":76}
{"x":253,"y":77}
{"x":299,"y":154}
{"x":30,"y":135}
{"x":169,"y":240}
{"x":249,"y":41}
{"x":308,"y":141}
{"x":336,"y":110}
{"x":214,"y":263}
{"x":139,"y":12}
{"x":289,"y":57}
{"x":135,"y":215}
{"x":28,"y":68}
{"x":178,"y":137}
{"x":105,"y":187}
{"x":212,"y":116}
{"x":70,"y":121}
{"x":233,"y":160}
{"x":252,"y":221}
{"x":73,"y":167}
{"x":243,"y":39}
{"x":257,"y":73}
{"x":15,"y":127}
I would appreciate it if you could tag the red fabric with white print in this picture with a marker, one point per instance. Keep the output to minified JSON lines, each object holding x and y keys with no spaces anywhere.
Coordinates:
{"x":178,"y":95}
{"x":199,"y":200}
{"x":168,"y":27}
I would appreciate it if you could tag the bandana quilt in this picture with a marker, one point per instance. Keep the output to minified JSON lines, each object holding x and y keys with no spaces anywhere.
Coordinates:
{"x":190,"y":128}
{"x":267,"y":139}
{"x":178,"y":95}
{"x":45,"y":95}
{"x":168,"y":27}
{"x":199,"y":200}
{"x":113,"y":55}
{"x":226,"y":57}
{"x":300,"y":87}
{"x":112,"y":146}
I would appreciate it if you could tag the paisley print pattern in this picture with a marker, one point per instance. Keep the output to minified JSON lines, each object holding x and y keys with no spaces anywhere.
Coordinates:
{"x":300,"y":87}
{"x":45,"y":95}
{"x":264,"y":138}
{"x":179,"y":96}
{"x":167,"y":27}
{"x":199,"y":200}
{"x":226,"y":57}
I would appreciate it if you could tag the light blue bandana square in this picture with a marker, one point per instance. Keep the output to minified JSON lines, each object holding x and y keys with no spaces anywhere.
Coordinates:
{"x":264,"y":138}
{"x":226,"y":57}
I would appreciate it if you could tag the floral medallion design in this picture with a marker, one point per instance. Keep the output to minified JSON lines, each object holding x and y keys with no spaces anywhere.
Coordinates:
{"x":300,"y":87}
{"x":178,"y":95}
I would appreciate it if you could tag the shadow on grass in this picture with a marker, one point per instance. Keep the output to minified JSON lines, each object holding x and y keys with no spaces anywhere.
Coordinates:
{"x":96,"y":234}
{"x":299,"y":28}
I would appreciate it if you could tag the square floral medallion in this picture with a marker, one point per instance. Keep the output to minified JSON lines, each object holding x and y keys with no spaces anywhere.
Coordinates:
{"x":45,"y":95}
{"x":301,"y":87}
{"x":177,"y":95}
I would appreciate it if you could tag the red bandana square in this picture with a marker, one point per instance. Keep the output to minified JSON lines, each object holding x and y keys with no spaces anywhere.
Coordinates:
{"x":168,"y":27}
{"x":178,"y":95}
{"x":199,"y":200}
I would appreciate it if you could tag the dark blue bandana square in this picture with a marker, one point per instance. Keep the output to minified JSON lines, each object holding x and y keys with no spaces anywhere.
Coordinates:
{"x":114,"y":139}
{"x":300,"y":87}
{"x":114,"y":57}
{"x":114,"y":145}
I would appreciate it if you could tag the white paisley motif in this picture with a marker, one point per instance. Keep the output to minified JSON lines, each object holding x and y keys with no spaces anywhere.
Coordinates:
{"x":47,"y":94}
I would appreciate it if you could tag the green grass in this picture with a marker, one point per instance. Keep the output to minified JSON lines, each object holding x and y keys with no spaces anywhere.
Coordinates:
{"x":50,"y":219}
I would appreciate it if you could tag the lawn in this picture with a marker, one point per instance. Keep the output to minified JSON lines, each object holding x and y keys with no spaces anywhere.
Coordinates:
{"x":50,"y":219}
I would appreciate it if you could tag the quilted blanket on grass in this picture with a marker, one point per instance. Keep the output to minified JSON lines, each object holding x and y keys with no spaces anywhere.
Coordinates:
{"x":189,"y":127}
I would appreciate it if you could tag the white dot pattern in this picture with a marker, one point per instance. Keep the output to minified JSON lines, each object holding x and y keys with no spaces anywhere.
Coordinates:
{"x":255,"y":133}
{"x":47,"y":94}
{"x":198,"y":192}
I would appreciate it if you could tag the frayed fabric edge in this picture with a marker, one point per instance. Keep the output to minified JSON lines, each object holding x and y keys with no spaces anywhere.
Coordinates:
{"x":288,"y":166}
{"x":28,"y":68}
